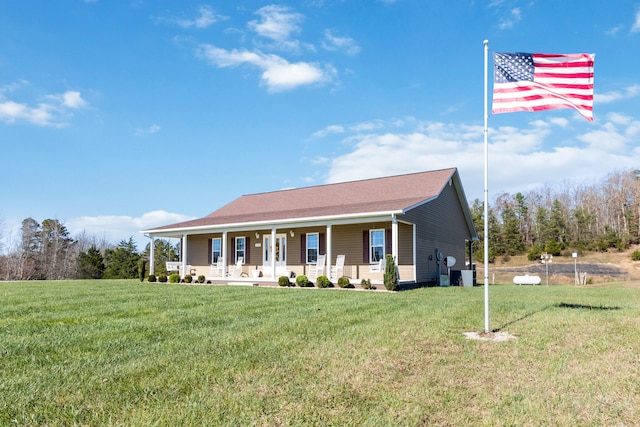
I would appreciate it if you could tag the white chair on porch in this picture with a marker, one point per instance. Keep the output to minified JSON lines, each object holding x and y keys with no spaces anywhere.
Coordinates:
{"x":236,"y":270}
{"x":379,"y":266}
{"x":337,"y":271}
{"x":316,"y":270}
{"x":217,"y":269}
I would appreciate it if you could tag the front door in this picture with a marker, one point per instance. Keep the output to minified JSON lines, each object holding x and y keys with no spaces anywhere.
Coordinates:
{"x":280,"y":255}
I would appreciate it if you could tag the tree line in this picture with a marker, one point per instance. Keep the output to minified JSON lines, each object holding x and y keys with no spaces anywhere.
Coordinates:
{"x":562,"y":219}
{"x":554,"y":220}
{"x":48,"y":252}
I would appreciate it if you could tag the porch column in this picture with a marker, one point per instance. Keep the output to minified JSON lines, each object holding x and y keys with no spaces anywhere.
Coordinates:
{"x":151,"y":256}
{"x":394,"y":238}
{"x":329,"y":251}
{"x":273,"y":252}
{"x":184,"y":255}
{"x":224,"y":254}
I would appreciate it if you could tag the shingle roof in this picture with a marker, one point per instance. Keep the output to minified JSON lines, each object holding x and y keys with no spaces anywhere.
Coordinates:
{"x":388,"y":194}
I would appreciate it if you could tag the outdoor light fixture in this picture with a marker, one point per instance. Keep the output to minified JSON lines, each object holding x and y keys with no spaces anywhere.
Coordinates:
{"x":291,"y":233}
{"x":257,"y":235}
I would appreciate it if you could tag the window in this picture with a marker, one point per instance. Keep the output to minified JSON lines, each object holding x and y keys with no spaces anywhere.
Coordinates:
{"x":313,"y":244}
{"x":240,"y":248}
{"x":216,"y":249}
{"x":376,"y":245}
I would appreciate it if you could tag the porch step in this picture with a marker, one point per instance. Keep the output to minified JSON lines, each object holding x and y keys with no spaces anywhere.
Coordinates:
{"x":242,"y":284}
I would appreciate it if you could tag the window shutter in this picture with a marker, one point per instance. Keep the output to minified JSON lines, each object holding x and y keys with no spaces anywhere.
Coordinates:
{"x":365,"y":246}
{"x":233,"y":250}
{"x":210,"y":251}
{"x":387,"y":241}
{"x":303,"y":248}
{"x":247,"y":250}
{"x":322,"y":250}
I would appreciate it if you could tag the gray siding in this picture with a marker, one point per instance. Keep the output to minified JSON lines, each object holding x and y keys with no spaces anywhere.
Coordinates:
{"x":440,"y":225}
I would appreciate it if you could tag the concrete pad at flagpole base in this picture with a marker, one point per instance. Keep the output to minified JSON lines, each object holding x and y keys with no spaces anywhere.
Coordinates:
{"x":490,"y":336}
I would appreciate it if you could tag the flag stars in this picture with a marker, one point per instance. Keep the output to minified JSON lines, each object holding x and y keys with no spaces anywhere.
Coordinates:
{"x":513,"y":67}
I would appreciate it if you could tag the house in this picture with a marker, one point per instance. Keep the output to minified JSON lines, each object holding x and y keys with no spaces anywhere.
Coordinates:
{"x":420,"y":218}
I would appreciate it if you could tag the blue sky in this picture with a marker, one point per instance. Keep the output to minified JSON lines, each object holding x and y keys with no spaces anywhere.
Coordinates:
{"x":117,"y":116}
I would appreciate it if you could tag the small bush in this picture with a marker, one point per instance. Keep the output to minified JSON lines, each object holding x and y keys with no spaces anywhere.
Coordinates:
{"x":391,"y":274}
{"x":188,"y":278}
{"x":174,"y":278}
{"x":283,"y":281}
{"x":323,"y":282}
{"x":365,"y":283}
{"x":152,"y":278}
{"x":303,"y":281}
{"x":201,"y":279}
{"x":343,"y":282}
{"x":162,"y":278}
{"x":635,"y":256}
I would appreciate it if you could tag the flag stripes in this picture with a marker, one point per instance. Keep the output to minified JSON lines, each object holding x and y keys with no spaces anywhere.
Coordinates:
{"x":535,"y":82}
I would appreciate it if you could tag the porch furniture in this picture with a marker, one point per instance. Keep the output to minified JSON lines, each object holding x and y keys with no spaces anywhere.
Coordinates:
{"x":316,"y":270}
{"x":217,"y":269}
{"x":379,"y":266}
{"x":174,"y":266}
{"x":337,"y":271}
{"x":236,"y":270}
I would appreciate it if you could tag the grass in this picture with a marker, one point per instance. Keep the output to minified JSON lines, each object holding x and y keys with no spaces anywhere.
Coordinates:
{"x":126,"y":353}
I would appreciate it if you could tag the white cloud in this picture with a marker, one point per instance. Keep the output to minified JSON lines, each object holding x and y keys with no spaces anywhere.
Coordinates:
{"x":277,"y":22}
{"x":613,"y":31}
{"x":331,"y":129}
{"x":277,"y":73}
{"x":636,"y":24}
{"x":120,"y":227}
{"x":49,"y":112}
{"x":154,"y":128}
{"x":72,"y":99}
{"x":515,"y":15}
{"x":628,"y":92}
{"x":205,"y":18}
{"x":520,"y":158}
{"x":345,"y":44}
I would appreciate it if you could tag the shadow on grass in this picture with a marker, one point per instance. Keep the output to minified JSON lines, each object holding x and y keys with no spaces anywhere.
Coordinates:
{"x":559,"y":305}
{"x":586,"y":307}
{"x":526,"y":316}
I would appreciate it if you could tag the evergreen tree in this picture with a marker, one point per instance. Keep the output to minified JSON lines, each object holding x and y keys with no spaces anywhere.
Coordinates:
{"x":91,"y":264}
{"x":122,"y":262}
{"x":512,"y":241}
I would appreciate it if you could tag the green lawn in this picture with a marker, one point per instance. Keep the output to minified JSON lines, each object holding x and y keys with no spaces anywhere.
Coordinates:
{"x":131,"y":353}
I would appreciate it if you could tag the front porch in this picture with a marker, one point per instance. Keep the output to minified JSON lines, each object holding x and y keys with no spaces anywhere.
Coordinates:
{"x":262,"y":256}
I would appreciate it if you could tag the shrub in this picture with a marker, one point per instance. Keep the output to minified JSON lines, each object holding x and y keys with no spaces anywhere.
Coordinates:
{"x":635,"y":256}
{"x":201,"y":279}
{"x":323,"y":282}
{"x":152,"y":278}
{"x":303,"y":281}
{"x":188,"y":278}
{"x":142,"y":264}
{"x":391,"y":274}
{"x":174,"y":278}
{"x":162,"y":278}
{"x":283,"y":281}
{"x":343,"y":282}
{"x":366,"y":284}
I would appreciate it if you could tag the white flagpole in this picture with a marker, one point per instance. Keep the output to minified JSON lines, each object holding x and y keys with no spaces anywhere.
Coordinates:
{"x":486,"y":192}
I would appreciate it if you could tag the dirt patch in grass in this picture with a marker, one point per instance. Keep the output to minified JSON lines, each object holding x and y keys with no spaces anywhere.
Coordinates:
{"x":500,"y":336}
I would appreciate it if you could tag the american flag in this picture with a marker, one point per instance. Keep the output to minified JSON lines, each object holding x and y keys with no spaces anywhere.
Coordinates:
{"x":538,"y":81}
